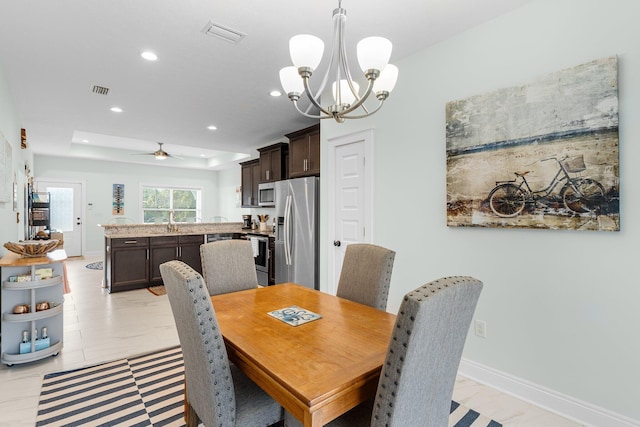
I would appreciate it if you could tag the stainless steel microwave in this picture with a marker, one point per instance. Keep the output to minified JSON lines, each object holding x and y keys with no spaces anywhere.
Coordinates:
{"x":267,"y":194}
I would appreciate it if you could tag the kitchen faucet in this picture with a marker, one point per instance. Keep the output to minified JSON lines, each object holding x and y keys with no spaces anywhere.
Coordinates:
{"x":172,"y":227}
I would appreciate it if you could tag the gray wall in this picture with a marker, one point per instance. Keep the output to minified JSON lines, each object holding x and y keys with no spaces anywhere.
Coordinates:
{"x":561,"y":306}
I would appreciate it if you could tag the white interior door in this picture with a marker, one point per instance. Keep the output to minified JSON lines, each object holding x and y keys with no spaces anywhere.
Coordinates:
{"x":66,"y":212}
{"x":350,"y":197}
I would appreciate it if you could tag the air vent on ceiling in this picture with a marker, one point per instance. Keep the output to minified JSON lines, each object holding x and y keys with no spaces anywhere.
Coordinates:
{"x":100,"y":90}
{"x":225,"y":33}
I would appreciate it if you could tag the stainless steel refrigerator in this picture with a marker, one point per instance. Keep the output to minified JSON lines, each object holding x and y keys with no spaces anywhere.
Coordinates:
{"x":297,"y":239}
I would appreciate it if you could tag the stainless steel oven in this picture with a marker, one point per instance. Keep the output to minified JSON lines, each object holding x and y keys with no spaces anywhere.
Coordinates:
{"x":260,"y":246}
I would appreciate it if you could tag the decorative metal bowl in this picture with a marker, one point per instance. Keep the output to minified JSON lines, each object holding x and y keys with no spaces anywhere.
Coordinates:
{"x":44,"y":305}
{"x":21,"y":309}
{"x":33,"y":248}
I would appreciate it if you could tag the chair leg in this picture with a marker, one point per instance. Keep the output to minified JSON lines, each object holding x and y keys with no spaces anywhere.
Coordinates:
{"x":186,"y":404}
{"x":192,"y":418}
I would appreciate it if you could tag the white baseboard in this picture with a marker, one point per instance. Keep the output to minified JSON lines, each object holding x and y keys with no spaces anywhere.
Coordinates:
{"x":551,"y":400}
{"x":94,"y":253}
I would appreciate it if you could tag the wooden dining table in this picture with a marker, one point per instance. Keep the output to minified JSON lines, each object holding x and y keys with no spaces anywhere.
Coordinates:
{"x":317,"y":370}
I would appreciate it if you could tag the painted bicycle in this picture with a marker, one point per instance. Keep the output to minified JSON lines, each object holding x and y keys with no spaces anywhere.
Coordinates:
{"x":579,"y":195}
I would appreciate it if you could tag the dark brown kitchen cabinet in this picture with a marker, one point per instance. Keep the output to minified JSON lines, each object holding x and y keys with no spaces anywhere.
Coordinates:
{"x":161,"y":250}
{"x":273,"y":162}
{"x":250,"y":180}
{"x":185,"y":248}
{"x":126,"y":263}
{"x":189,"y":250}
{"x":134,"y":263}
{"x":304,"y":152}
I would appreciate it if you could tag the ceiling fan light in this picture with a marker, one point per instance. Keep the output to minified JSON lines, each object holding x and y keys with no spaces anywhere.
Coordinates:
{"x":374,"y":53}
{"x":291,"y":81}
{"x":387,"y":80}
{"x":346,"y":96}
{"x":306,"y":51}
{"x":160,"y":156}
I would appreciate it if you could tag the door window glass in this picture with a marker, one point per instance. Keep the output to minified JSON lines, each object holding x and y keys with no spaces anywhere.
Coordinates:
{"x":61,"y":208}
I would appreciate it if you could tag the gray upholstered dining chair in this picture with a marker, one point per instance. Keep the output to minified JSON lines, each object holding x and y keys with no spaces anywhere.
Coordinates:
{"x":419,"y":371}
{"x":365,"y":275}
{"x":219,"y":393}
{"x":228,"y":266}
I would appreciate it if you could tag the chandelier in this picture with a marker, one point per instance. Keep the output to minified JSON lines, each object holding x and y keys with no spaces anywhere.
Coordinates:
{"x":373,"y":56}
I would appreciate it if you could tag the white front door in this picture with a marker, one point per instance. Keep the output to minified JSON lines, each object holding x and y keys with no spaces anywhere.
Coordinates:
{"x":66,"y":212}
{"x":350,"y":201}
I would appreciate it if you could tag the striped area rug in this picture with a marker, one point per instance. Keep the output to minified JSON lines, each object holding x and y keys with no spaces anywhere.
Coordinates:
{"x":140,"y":391}
{"x":143,"y":391}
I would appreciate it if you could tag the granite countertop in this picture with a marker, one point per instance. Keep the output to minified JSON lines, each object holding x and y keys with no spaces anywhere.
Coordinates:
{"x":154,"y":230}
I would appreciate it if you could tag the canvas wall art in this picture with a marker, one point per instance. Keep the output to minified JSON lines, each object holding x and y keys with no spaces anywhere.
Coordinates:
{"x":540,"y":155}
{"x":118,"y":200}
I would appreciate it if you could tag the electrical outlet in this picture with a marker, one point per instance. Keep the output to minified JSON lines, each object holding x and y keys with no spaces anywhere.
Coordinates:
{"x":481,"y":328}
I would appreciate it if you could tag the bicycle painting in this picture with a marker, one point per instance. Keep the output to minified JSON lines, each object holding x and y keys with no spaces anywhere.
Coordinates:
{"x":542,"y":155}
{"x":579,"y":195}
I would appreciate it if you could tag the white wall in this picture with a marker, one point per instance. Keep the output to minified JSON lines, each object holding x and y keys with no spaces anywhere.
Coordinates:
{"x":561,"y":306}
{"x":98,"y":178}
{"x":12,"y":228}
{"x":228,"y":180}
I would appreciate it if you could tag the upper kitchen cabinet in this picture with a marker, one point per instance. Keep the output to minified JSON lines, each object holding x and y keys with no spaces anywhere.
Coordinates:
{"x":304,"y":152}
{"x":273,"y":162}
{"x":250,"y":181}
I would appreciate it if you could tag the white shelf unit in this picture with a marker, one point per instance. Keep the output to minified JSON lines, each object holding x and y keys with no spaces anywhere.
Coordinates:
{"x":30,"y":293}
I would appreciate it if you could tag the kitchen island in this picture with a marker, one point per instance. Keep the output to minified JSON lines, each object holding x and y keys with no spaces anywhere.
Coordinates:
{"x":134,"y":252}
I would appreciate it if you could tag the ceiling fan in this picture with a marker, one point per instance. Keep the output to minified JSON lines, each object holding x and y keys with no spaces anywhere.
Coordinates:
{"x":160,"y":154}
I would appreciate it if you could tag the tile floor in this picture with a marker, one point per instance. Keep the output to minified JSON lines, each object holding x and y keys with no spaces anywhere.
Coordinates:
{"x":100,"y":327}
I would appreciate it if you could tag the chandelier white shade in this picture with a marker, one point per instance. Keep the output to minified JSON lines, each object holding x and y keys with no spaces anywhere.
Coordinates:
{"x":343,"y":95}
{"x":373,"y":55}
{"x":387,"y":80}
{"x":306,"y":51}
{"x":291,"y":81}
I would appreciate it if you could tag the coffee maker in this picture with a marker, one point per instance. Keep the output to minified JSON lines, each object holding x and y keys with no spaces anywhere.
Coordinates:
{"x":246,"y":222}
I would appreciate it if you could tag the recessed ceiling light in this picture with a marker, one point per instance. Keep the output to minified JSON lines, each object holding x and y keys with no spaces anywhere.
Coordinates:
{"x":116,"y":109}
{"x":275,"y":93}
{"x":149,"y":56}
{"x":212,"y":127}
{"x":203,"y":155}
{"x":85,"y":140}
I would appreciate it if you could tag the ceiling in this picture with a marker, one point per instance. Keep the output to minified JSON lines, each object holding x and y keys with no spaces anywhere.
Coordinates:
{"x":55,"y":52}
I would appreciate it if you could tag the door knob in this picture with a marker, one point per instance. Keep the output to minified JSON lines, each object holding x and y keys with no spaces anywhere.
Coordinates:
{"x":336,"y":243}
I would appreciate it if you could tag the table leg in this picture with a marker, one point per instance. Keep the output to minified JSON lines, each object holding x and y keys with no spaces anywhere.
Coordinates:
{"x":313,"y":419}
